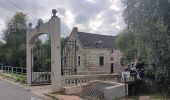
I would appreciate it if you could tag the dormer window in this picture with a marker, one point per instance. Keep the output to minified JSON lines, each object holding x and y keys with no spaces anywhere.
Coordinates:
{"x":99,"y":44}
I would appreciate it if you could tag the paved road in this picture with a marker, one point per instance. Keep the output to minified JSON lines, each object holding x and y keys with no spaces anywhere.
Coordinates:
{"x":9,"y":91}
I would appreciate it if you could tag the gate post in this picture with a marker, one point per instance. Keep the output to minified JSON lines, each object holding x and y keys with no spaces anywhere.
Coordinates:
{"x":28,"y":55}
{"x":55,"y":52}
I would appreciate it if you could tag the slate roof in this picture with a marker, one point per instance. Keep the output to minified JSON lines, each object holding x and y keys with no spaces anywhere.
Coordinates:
{"x":88,"y":40}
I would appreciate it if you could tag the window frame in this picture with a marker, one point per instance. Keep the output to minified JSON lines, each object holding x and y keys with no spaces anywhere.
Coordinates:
{"x":78,"y":60}
{"x":101,"y":60}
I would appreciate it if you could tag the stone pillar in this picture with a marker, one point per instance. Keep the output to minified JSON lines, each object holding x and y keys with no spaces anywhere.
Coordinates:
{"x":55,"y":53}
{"x":28,"y":55}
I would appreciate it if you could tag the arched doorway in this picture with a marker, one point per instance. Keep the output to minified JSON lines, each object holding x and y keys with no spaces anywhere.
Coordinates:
{"x":52,"y":29}
{"x":41,"y":61}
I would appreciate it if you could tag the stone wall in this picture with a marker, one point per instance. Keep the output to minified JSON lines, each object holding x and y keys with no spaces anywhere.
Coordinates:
{"x":98,"y":90}
{"x":89,"y":58}
{"x":115,"y":92}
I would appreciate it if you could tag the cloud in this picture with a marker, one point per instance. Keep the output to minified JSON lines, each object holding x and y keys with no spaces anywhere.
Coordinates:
{"x":82,"y":19}
{"x":65,"y":29}
{"x":97,"y":16}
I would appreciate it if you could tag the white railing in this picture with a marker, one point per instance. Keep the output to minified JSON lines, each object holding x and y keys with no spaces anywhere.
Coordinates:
{"x":40,"y":76}
{"x":91,"y":72}
{"x":74,"y":80}
{"x":13,"y":70}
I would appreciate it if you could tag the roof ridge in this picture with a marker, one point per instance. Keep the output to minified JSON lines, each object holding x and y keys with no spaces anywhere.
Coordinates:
{"x":96,"y":34}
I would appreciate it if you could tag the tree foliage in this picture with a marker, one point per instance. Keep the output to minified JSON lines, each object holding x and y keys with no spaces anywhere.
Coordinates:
{"x":147,"y":35}
{"x":42,"y":55}
{"x":15,"y":41}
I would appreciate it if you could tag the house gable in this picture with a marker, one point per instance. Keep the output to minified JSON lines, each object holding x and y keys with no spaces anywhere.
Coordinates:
{"x":74,"y":36}
{"x":89,"y":40}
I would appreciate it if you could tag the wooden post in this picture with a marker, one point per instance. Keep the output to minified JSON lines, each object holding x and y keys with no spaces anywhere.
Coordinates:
{"x":125,"y":88}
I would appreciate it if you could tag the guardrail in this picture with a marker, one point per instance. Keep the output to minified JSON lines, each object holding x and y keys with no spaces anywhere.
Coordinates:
{"x":13,"y":70}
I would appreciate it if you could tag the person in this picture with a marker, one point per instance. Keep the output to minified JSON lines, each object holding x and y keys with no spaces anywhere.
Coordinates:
{"x":133,"y":68}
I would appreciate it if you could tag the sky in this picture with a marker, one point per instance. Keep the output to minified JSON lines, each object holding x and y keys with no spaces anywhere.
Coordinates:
{"x":93,"y":16}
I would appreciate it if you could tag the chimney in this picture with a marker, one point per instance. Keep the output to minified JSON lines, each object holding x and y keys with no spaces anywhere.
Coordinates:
{"x":75,"y":29}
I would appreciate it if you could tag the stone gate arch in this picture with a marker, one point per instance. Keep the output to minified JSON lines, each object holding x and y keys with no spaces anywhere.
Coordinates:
{"x":51,"y":28}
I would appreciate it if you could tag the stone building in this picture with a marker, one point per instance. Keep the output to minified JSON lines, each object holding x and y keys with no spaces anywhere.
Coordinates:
{"x":94,"y":53}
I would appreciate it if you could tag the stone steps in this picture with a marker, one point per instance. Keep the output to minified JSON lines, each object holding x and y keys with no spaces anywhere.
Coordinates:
{"x":94,"y":91}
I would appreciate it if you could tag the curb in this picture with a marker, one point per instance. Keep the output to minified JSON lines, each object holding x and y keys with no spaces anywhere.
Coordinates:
{"x":52,"y":96}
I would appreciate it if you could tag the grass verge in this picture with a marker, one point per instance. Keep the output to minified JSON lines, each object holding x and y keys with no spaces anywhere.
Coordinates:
{"x":14,"y":77}
{"x":151,"y":96}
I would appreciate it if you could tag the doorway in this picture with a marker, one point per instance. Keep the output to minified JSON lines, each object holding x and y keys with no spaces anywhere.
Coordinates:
{"x":112,"y":68}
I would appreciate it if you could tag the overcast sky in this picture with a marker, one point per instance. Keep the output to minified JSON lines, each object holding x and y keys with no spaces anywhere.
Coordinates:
{"x":95,"y":16}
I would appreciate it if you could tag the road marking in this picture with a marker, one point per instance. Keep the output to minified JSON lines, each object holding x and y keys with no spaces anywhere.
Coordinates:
{"x":35,"y":98}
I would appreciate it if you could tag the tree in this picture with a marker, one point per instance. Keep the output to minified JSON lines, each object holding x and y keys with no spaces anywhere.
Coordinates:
{"x":146,"y":35}
{"x":127,"y":44}
{"x":15,"y":40}
{"x":2,"y":53}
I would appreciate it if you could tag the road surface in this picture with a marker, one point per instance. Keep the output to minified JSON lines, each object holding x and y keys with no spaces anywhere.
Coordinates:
{"x":9,"y":91}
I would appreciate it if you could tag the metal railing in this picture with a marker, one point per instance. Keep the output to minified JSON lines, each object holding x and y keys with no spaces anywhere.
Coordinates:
{"x":13,"y":70}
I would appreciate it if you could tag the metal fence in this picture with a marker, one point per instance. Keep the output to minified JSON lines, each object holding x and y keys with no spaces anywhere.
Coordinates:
{"x":13,"y":70}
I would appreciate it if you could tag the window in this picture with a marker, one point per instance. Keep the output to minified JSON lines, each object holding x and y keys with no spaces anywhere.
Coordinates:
{"x":99,"y":44}
{"x":101,"y":61}
{"x":78,"y":60}
{"x":111,"y":59}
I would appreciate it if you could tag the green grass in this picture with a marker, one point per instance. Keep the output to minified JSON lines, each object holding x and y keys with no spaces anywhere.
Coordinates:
{"x":153,"y":96}
{"x":160,"y":96}
{"x":15,"y":77}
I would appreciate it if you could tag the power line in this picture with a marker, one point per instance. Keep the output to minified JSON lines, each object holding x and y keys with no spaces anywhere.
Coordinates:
{"x":5,"y":7}
{"x":12,"y":3}
{"x":15,"y":5}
